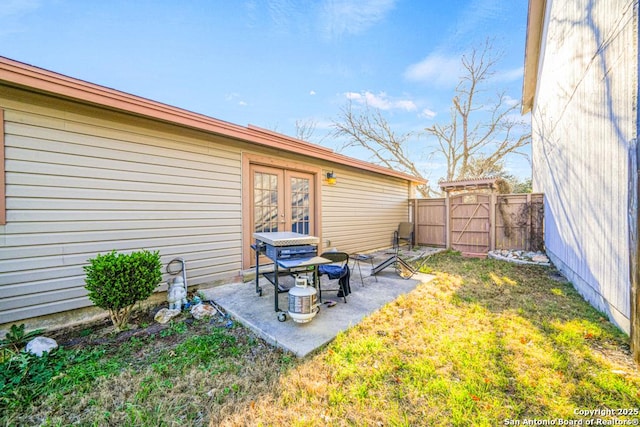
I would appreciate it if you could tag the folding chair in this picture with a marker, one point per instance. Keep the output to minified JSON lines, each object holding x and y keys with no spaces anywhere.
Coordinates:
{"x":338,"y":269}
{"x":405,"y":233}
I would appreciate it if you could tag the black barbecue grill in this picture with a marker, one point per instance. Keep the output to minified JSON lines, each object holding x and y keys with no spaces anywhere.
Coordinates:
{"x":292,"y":254}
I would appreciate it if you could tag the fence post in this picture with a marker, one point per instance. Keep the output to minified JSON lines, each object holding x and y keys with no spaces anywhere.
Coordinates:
{"x":414,"y":219}
{"x":492,"y":222}
{"x":447,"y":210}
{"x":528,"y":246}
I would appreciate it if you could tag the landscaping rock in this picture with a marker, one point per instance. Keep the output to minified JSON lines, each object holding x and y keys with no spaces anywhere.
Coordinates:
{"x":41,"y":345}
{"x":164,"y":315}
{"x":520,"y":257}
{"x":540,"y":259}
{"x":202,"y":311}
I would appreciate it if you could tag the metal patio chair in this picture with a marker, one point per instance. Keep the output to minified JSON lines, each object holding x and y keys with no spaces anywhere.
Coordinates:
{"x":404,"y":233}
{"x":338,"y":269}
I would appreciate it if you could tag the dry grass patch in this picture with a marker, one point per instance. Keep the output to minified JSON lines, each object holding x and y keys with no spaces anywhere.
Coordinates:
{"x":485,"y":342}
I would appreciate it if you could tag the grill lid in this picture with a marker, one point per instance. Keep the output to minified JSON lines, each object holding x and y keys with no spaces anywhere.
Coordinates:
{"x":286,"y":238}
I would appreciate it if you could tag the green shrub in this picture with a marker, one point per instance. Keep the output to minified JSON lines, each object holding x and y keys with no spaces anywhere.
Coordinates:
{"x":117,"y":281}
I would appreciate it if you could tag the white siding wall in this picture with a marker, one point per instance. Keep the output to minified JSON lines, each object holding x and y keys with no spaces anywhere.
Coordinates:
{"x":79,"y":184}
{"x":583,"y":121}
{"x":362,"y":210}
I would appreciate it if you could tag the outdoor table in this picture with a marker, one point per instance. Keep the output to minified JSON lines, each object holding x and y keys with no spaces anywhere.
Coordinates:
{"x":356,"y":262}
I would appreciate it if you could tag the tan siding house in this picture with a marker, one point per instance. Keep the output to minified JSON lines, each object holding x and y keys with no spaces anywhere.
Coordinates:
{"x":88,"y":170}
{"x":581,"y":86}
{"x":362,"y":210}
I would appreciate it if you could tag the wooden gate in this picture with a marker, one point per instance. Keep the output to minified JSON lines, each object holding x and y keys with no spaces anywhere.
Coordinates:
{"x":431,"y":222}
{"x":470,"y":223}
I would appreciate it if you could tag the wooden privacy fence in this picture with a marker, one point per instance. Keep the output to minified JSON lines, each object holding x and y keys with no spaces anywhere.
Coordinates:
{"x":475,"y":223}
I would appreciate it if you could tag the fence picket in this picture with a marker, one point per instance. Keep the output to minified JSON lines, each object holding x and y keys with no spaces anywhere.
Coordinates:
{"x":515,"y":222}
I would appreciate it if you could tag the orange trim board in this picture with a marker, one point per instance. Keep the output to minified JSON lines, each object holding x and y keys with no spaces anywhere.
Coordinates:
{"x":3,"y":189}
{"x":18,"y":74}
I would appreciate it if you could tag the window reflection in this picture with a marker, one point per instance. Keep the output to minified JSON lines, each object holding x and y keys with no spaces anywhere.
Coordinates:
{"x":265,"y":202}
{"x":300,"y":205}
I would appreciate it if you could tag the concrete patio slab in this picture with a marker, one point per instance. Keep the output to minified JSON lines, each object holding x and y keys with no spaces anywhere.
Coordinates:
{"x":241,"y":302}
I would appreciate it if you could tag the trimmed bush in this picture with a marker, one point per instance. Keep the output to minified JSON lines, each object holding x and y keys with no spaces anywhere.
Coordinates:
{"x":117,"y":281}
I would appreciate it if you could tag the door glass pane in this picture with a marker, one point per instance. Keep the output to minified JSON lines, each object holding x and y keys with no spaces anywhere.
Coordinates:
{"x":300,"y":214}
{"x":265,"y":202}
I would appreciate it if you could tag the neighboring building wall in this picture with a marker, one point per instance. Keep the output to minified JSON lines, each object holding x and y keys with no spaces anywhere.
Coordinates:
{"x":583,"y":123}
{"x":361,"y":212}
{"x":82,"y":181}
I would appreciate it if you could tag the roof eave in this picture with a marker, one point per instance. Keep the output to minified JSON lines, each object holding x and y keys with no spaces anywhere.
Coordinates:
{"x":473,"y":183}
{"x":33,"y":78}
{"x":533,"y":41}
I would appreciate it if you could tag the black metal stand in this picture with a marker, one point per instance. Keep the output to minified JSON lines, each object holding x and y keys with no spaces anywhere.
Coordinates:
{"x":291,"y":268}
{"x":403,"y":269}
{"x":357,"y":258}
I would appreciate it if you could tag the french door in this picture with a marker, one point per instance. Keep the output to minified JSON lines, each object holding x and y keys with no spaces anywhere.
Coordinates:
{"x":281,"y":200}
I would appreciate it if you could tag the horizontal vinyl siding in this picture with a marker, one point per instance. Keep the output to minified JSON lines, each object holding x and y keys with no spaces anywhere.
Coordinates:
{"x":80,"y":183}
{"x":584,"y":120}
{"x":361,"y":211}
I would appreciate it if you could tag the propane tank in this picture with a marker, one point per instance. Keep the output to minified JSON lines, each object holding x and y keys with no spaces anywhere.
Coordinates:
{"x":302,"y":301}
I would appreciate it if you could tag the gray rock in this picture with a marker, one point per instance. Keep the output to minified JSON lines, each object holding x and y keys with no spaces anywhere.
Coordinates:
{"x":41,"y":345}
{"x":201,"y":311}
{"x":164,"y":315}
{"x":540,"y":258}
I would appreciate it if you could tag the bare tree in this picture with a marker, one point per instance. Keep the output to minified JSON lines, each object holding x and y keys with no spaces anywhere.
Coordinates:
{"x":305,"y":129}
{"x":479,"y":136}
{"x":475,"y":142}
{"x":369,"y":129}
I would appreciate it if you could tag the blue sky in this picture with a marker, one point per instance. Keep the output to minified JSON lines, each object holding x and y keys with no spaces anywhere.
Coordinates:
{"x":271,"y":63}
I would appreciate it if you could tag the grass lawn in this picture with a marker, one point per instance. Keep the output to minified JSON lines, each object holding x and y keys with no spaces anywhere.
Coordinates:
{"x":485,"y":343}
